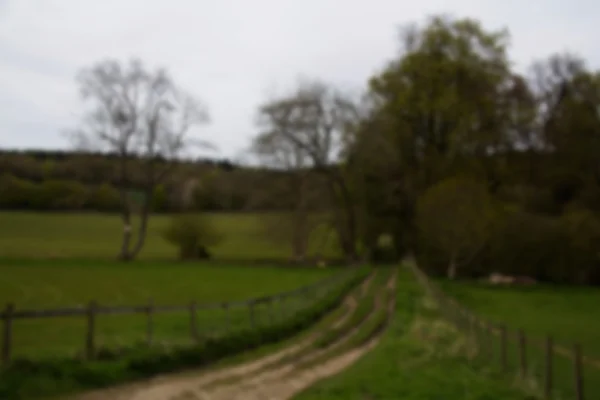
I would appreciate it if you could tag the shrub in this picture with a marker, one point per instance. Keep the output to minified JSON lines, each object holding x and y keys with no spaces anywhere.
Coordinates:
{"x":15,"y":193}
{"x":159,"y":198}
{"x":582,"y":229}
{"x":552,"y":249}
{"x":526,"y":244}
{"x":193,"y":235}
{"x":61,"y":195}
{"x":104,"y":198}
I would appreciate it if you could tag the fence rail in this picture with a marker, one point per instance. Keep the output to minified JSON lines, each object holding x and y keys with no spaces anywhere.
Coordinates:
{"x":497,"y":343}
{"x":93,"y":310}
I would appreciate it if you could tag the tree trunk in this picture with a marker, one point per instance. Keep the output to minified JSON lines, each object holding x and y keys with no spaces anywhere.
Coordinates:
{"x":299,"y":238}
{"x":346,"y":219}
{"x":452,"y":269}
{"x":124,"y":254}
{"x":145,"y":213}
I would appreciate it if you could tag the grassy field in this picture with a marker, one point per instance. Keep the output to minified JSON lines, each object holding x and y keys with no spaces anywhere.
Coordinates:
{"x":48,"y":284}
{"x":569,"y":314}
{"x":78,"y":235}
{"x":57,"y":377}
{"x":420,"y":357}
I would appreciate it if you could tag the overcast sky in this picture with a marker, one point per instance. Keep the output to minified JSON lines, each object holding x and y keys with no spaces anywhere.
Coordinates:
{"x":234,"y":53}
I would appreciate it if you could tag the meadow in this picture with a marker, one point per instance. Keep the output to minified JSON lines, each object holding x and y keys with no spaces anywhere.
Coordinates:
{"x":37,"y":284}
{"x":50,"y":260}
{"x":97,"y":236}
{"x":67,"y":259}
{"x":569,"y":314}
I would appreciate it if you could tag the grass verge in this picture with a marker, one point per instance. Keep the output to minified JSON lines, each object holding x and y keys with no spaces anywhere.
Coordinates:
{"x":420,"y":357}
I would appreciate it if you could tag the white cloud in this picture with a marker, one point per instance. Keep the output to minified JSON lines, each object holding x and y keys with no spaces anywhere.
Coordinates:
{"x":230,"y":52}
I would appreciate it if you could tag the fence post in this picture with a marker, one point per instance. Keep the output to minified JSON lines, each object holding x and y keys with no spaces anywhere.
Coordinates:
{"x":271,"y":310}
{"x":548,"y":370}
{"x":523,"y":353}
{"x":150,"y":322}
{"x":227,"y":320}
{"x":7,"y":336}
{"x":473,"y":329}
{"x":193,"y":321}
{"x":487,"y":339}
{"x":282,"y":307}
{"x":252,"y":315}
{"x":577,"y":369}
{"x":503,"y":348}
{"x":464,"y":316}
{"x":91,"y":328}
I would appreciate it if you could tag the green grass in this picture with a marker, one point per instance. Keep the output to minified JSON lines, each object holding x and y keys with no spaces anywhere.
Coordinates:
{"x":568,"y":314}
{"x":90,"y":235}
{"x":420,"y":357}
{"x":27,"y":379}
{"x":38,"y":284}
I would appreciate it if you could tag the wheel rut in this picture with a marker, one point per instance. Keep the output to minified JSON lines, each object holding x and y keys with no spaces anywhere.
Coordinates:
{"x":284,"y":381}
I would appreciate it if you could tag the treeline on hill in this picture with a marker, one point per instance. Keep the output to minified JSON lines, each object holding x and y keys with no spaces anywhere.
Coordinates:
{"x":49,"y":180}
{"x":451,"y":154}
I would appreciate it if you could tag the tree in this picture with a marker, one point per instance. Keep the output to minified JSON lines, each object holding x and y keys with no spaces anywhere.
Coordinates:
{"x":441,"y":96}
{"x":142,"y":117}
{"x":315,"y":124}
{"x":296,"y":191}
{"x":456,"y":216}
{"x":441,"y":107}
{"x":569,"y":112}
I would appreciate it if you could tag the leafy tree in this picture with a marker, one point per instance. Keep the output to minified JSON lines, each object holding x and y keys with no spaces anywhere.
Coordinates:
{"x":456,"y":217}
{"x":441,"y":97}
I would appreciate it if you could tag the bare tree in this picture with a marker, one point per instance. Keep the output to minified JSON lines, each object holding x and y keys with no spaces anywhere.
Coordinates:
{"x":295,"y":190}
{"x":314,"y":125}
{"x":140,"y":116}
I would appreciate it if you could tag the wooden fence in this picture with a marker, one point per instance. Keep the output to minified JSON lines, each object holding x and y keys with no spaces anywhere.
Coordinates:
{"x":494,"y":341}
{"x":93,"y":310}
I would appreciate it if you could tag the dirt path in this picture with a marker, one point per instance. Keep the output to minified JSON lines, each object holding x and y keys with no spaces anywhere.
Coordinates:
{"x":287,"y":380}
{"x":173,"y":386}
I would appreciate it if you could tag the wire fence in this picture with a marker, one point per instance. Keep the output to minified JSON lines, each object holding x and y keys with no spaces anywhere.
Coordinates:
{"x":82,"y":331}
{"x":547,"y":369}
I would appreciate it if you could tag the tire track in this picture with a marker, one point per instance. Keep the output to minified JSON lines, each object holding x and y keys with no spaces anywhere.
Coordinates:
{"x":286,"y":381}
